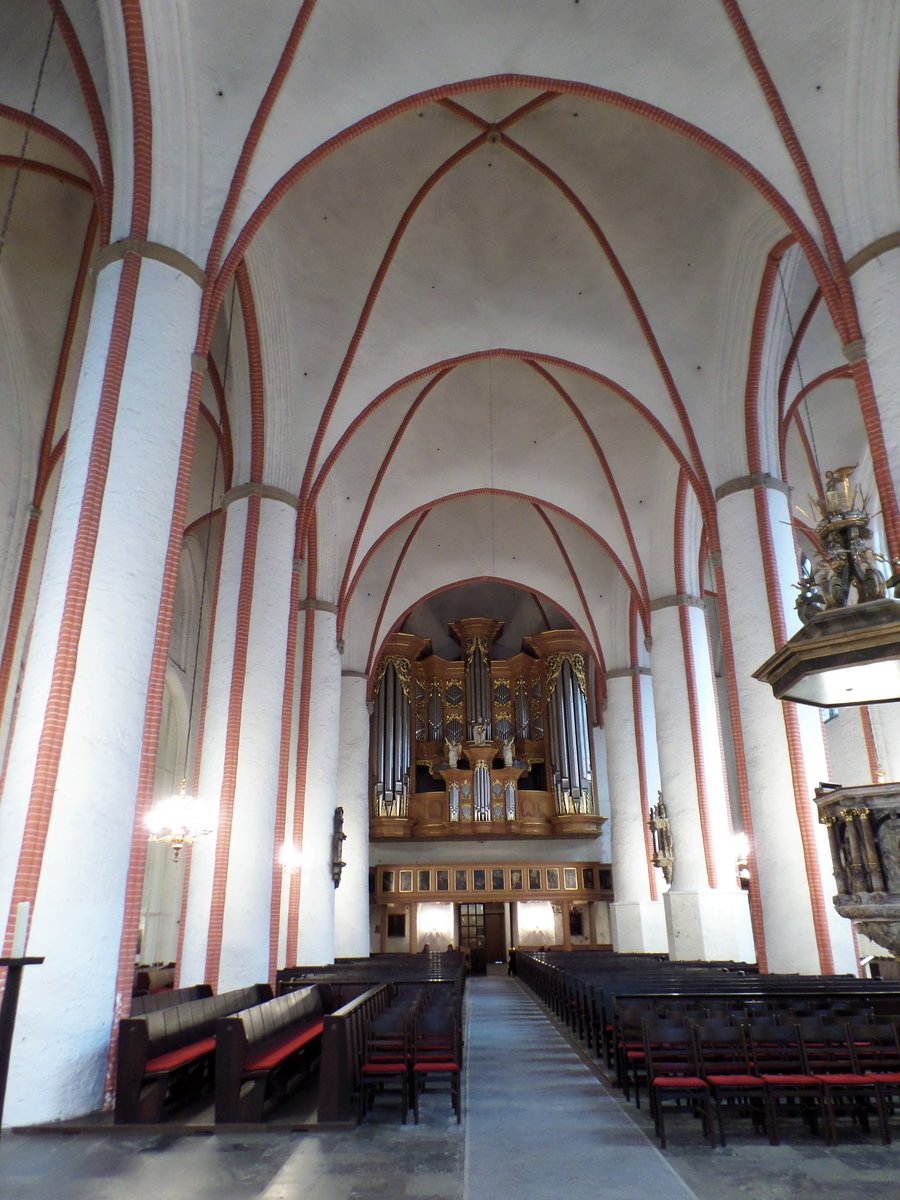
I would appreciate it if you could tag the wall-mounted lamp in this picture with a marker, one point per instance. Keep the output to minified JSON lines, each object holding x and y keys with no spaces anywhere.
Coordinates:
{"x":290,"y":857}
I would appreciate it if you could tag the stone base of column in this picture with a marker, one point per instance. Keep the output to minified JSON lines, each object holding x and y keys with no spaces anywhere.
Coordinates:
{"x":709,"y":926}
{"x":638,"y":927}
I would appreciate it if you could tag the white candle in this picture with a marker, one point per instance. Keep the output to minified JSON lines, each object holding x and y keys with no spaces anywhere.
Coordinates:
{"x":20,"y":931}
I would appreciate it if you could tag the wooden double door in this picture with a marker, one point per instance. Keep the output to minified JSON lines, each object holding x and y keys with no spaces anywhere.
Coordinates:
{"x":482,"y":928}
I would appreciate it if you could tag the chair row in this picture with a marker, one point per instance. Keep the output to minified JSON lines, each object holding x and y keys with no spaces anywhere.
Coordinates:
{"x":629,"y":1016}
{"x":584,"y":994}
{"x":767,"y":1072}
{"x":414,"y":1043}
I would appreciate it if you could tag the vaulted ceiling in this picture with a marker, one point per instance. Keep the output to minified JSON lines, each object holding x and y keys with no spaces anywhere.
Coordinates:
{"x":486,"y":282}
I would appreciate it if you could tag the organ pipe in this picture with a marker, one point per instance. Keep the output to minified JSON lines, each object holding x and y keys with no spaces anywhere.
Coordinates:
{"x":391,"y":733}
{"x":542,"y":700}
{"x":389,"y":741}
{"x":568,"y":730}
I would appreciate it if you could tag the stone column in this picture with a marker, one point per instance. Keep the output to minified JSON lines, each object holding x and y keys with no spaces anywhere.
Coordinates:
{"x":876,"y":286}
{"x":793,"y":879}
{"x":707,"y":914}
{"x":72,"y":773}
{"x":638,"y":922}
{"x":315,"y":941}
{"x":412,"y":911}
{"x":351,"y":901}
{"x":229,"y":909}
{"x":885,"y":719}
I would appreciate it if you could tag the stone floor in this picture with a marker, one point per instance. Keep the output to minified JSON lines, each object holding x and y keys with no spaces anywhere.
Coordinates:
{"x":538,"y":1124}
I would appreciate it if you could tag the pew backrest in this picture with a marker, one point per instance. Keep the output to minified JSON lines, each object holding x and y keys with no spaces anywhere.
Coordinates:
{"x":151,"y":1001}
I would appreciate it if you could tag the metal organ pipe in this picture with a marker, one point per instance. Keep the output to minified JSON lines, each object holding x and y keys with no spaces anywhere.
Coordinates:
{"x":403,"y":717}
{"x":522,"y":715}
{"x":378,"y":754}
{"x":387,"y":687}
{"x":487,"y":708}
{"x":572,"y":693}
{"x":471,"y":714}
{"x":435,"y":715}
{"x":477,"y":683}
{"x":559,"y":713}
{"x":584,"y":732}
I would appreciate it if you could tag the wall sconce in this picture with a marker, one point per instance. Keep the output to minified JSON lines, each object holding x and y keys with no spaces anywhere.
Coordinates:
{"x":290,"y":858}
{"x":741,"y":845}
{"x":661,"y":831}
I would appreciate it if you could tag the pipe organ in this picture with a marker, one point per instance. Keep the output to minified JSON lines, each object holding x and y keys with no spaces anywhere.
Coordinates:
{"x":482,"y":746}
{"x":569,"y":739}
{"x":391,"y":718}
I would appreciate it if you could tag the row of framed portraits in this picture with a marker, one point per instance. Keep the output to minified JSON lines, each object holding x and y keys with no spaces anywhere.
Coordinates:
{"x":445,"y":880}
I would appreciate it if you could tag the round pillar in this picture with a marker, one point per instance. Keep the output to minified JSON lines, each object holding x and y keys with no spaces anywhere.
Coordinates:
{"x":638,"y":922}
{"x":315,"y":940}
{"x":229,"y":910}
{"x":707,"y":914}
{"x":351,"y":900}
{"x":72,"y":774}
{"x":783,"y":747}
{"x":876,"y":286}
{"x":885,"y":721}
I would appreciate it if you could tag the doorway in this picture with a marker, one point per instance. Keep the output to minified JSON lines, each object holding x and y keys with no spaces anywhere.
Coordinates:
{"x":495,"y":933}
{"x":482,"y":930}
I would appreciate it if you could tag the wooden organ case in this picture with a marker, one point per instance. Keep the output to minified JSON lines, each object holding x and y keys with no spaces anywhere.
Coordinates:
{"x":482,"y":747}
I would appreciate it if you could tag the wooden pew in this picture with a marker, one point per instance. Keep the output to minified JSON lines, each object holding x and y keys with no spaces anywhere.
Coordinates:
{"x":261,"y":1050}
{"x":166,"y":1054}
{"x":154,"y":979}
{"x":152,"y":1001}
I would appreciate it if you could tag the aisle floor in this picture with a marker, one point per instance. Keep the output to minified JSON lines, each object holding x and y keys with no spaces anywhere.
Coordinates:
{"x":538,"y":1124}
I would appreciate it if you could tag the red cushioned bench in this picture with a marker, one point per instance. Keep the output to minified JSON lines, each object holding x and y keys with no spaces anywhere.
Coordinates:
{"x":164,"y":1057}
{"x":262,"y":1051}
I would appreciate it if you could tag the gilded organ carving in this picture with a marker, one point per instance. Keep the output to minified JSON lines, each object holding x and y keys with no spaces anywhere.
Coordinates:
{"x":482,"y":747}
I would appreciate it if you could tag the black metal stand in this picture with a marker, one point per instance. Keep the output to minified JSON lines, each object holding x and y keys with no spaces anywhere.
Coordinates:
{"x":8,"y":1015}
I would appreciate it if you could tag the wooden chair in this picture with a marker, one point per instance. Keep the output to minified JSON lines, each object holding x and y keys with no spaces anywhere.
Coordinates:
{"x":875,"y":1051}
{"x":723,"y":1061}
{"x":436,"y":1057}
{"x":777,"y":1055}
{"x":829,"y":1057}
{"x":672,"y":1073}
{"x":385,"y":1064}
{"x":628,"y":1025}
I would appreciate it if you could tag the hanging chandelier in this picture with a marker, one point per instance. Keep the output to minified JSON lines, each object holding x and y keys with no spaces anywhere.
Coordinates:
{"x":846,"y":652}
{"x":180,"y":820}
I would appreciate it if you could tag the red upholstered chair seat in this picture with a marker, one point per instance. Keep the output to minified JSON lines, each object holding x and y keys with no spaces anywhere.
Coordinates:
{"x":679,"y":1081}
{"x":751,"y":1081}
{"x":845,"y":1080}
{"x":791,"y":1080}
